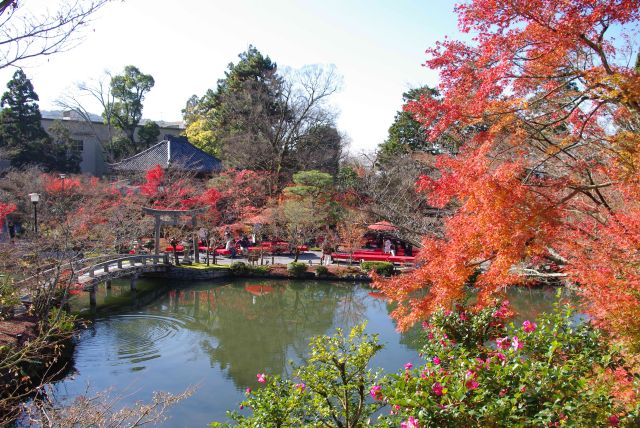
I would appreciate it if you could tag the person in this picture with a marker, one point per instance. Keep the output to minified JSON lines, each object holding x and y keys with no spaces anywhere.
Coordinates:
{"x":231,"y":247}
{"x":244,"y":245}
{"x":394,"y":248}
{"x":387,"y":246}
{"x":174,"y":245}
{"x":12,"y":232}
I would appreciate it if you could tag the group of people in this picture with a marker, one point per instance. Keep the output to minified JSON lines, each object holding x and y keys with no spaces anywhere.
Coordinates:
{"x":391,"y":247}
{"x":231,"y":245}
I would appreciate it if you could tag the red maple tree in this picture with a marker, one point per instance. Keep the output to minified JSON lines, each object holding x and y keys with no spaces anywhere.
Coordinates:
{"x":549,"y":108}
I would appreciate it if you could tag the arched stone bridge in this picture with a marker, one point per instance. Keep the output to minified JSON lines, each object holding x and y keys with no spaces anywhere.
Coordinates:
{"x":129,"y":266}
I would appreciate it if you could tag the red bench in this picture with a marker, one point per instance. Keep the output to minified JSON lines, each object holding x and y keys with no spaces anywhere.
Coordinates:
{"x":376,"y":257}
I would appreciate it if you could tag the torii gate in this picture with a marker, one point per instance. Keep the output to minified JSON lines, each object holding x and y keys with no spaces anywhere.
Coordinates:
{"x":172,"y":218}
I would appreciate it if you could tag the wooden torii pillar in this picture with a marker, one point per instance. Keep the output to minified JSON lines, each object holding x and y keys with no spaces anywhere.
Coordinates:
{"x":173,"y":218}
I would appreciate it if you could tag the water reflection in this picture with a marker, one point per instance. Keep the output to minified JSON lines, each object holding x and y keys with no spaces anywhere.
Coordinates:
{"x":219,"y":335}
{"x":260,"y":326}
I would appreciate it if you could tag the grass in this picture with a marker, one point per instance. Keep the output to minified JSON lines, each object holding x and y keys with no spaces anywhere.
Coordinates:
{"x":203,"y":266}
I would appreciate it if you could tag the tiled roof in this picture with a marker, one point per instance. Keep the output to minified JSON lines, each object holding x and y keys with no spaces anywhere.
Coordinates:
{"x":177,"y":152}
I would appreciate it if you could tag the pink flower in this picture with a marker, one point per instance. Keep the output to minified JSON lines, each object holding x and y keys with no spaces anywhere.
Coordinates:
{"x":463,"y":316}
{"x":247,"y":391}
{"x":301,"y":386}
{"x":411,"y":423}
{"x":516,"y":343}
{"x":501,"y":356}
{"x":262,"y":378}
{"x":430,"y":336}
{"x":437,"y":389}
{"x":408,"y":366}
{"x":241,"y":407}
{"x":529,"y":327}
{"x":375,"y":392}
{"x":471,"y":384}
{"x":614,"y":421}
{"x":502,"y":342}
{"x":436,"y":360}
{"x":503,"y":392}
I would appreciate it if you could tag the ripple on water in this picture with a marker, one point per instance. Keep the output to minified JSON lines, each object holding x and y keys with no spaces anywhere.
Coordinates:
{"x":130,"y":340}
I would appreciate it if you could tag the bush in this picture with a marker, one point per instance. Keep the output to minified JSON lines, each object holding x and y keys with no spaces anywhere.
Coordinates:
{"x":8,"y":293}
{"x":478,"y":372}
{"x":322,"y":271}
{"x":259,"y":270}
{"x":297,"y":268}
{"x":332,"y":388}
{"x":239,"y":268}
{"x":381,"y":268}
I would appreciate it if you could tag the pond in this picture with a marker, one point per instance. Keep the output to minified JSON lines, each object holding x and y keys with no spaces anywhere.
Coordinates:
{"x":218,"y":335}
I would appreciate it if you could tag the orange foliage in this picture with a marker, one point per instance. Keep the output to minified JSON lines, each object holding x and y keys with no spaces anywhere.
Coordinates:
{"x":549,"y":171}
{"x":54,"y":184}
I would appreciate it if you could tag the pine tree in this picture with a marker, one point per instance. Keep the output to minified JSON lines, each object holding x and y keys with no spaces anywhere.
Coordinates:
{"x":23,"y":140}
{"x":22,"y":137}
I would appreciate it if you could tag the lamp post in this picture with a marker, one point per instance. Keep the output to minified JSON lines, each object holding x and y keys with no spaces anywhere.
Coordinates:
{"x":62,"y":177}
{"x":35,"y":198}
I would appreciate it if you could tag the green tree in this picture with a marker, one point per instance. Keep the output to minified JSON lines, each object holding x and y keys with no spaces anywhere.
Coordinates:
{"x":405,"y":133}
{"x":129,"y":90}
{"x":21,"y":134}
{"x":320,"y":149}
{"x":214,"y":115}
{"x":66,"y":154}
{"x":148,"y":134}
{"x":260,"y":119}
{"x":22,"y":137}
{"x":308,"y":206}
{"x":311,"y":184}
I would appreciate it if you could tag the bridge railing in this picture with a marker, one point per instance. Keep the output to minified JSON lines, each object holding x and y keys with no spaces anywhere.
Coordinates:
{"x":143,"y":259}
{"x":45,"y":273}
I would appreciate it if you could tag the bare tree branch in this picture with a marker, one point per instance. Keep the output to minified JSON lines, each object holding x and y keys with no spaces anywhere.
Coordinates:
{"x":26,"y":34}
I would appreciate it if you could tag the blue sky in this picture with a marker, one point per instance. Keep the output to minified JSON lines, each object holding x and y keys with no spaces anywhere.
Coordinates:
{"x":377,"y":46}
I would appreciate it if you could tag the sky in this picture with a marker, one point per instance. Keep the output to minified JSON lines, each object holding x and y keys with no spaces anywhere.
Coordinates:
{"x":376,"y":45}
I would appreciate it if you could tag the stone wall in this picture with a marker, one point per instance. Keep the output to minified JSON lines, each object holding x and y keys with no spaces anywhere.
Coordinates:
{"x":188,"y":274}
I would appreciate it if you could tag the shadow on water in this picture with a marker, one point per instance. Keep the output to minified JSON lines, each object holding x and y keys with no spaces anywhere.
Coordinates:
{"x":218,"y":335}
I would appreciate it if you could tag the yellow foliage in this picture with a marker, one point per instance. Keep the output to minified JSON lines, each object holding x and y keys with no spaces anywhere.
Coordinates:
{"x":202,"y":135}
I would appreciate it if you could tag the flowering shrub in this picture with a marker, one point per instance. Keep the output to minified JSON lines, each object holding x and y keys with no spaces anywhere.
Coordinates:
{"x":478,"y":372}
{"x":331,"y":390}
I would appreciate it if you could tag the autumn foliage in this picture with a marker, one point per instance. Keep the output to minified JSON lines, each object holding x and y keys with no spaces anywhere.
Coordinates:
{"x":549,"y":109}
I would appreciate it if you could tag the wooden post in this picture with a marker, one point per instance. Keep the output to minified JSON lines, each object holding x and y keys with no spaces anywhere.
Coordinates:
{"x":196,"y":248}
{"x":107,"y":283}
{"x":92,"y":297}
{"x":156,"y":234}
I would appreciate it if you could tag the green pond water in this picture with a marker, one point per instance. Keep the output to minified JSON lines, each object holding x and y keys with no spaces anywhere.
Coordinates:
{"x":218,"y":335}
